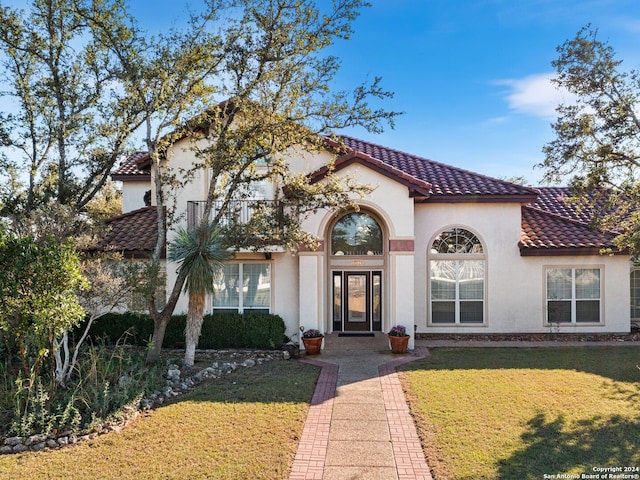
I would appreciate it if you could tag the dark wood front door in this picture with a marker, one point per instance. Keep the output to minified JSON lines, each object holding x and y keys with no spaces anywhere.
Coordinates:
{"x":357,"y":301}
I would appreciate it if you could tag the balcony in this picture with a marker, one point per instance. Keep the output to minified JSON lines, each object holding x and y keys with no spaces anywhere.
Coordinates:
{"x":239,"y":211}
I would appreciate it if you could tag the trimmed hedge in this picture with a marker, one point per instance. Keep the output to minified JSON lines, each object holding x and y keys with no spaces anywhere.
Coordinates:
{"x":225,"y":330}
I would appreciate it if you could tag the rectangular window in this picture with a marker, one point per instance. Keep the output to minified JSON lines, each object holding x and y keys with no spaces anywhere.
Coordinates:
{"x":242,"y":287}
{"x":635,"y":293}
{"x":457,"y":291}
{"x":573,"y":295}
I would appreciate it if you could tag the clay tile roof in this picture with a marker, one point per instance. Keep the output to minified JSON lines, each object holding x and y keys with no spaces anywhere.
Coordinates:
{"x":416,"y":186}
{"x":134,"y":167}
{"x":555,"y":200}
{"x":545,"y":233}
{"x":447,"y":183}
{"x":133,"y":234}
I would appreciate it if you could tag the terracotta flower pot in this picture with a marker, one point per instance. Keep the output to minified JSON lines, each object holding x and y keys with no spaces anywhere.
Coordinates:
{"x":312,"y":345}
{"x":399,"y":344}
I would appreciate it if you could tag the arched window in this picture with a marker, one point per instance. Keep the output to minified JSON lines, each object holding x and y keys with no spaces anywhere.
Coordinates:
{"x":356,"y":233}
{"x":457,"y":278}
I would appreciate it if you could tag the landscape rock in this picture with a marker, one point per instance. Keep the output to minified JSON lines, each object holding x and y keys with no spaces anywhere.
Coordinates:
{"x":12,"y":441}
{"x":34,"y":439}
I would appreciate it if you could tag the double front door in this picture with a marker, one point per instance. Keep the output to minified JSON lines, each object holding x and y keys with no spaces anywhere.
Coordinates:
{"x":357,"y":301}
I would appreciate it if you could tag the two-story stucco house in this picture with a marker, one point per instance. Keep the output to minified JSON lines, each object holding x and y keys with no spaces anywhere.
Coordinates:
{"x":433,"y":246}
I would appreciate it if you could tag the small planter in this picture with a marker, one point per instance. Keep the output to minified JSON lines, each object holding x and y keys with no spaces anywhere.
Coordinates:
{"x":399,"y":344}
{"x":312,"y":345}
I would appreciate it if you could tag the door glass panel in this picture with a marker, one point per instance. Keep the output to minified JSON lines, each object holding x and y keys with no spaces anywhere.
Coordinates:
{"x":376,"y":297}
{"x":357,"y":301}
{"x":337,"y":300}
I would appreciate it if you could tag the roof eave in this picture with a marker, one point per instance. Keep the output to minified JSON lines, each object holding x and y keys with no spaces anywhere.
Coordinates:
{"x":531,"y":251}
{"x":480,"y":198}
{"x":131,"y":177}
{"x":417,"y":188}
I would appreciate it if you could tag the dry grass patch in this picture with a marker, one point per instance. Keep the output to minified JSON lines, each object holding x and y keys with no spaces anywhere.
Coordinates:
{"x":246,"y":425}
{"x":520,"y":414}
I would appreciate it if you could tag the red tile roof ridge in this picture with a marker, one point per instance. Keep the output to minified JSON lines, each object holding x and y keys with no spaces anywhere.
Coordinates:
{"x":568,"y":219}
{"x":349,"y":144}
{"x":546,"y":231}
{"x":418,"y":185}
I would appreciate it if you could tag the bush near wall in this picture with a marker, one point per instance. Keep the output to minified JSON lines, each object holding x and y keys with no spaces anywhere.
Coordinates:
{"x":219,"y":331}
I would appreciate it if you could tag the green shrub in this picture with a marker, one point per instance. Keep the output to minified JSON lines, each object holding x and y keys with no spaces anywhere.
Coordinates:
{"x":223,"y":330}
{"x":264,"y":331}
{"x":174,"y":334}
{"x":112,"y":326}
{"x":219,"y":331}
{"x":106,"y":380}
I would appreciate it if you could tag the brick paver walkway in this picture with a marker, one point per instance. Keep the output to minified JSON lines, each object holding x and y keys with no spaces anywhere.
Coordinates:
{"x":407,"y":450}
{"x":310,"y":460}
{"x":312,"y":449}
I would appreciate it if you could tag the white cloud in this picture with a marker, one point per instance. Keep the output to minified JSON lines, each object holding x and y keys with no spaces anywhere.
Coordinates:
{"x":534,"y":95}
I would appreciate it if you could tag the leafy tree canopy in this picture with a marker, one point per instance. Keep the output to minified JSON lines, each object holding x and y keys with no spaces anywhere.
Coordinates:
{"x":38,"y":285}
{"x":597,"y":142}
{"x":65,"y":118}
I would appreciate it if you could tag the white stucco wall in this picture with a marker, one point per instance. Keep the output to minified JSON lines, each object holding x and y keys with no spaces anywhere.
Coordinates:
{"x":515,"y":285}
{"x":133,"y":195}
{"x":515,"y":288}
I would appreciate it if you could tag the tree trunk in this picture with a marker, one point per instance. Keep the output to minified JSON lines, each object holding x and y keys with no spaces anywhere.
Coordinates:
{"x":195,"y":318}
{"x":159,"y":326}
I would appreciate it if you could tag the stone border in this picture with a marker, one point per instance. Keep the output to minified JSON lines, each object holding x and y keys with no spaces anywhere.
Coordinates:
{"x":175,"y":386}
{"x":562,"y":337}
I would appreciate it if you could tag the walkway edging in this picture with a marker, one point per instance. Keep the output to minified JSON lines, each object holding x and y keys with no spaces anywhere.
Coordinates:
{"x":309,"y":462}
{"x":312,"y":450}
{"x":407,"y":449}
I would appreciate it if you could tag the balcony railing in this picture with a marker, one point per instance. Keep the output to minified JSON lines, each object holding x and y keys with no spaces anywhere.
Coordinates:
{"x":238,"y":211}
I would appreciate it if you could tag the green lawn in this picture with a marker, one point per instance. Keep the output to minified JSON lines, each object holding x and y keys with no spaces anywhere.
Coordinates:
{"x":244,"y":426}
{"x":523,"y":413}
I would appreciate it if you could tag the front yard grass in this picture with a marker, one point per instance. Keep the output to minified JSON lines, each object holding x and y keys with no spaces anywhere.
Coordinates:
{"x":245,"y":425}
{"x":523,"y":413}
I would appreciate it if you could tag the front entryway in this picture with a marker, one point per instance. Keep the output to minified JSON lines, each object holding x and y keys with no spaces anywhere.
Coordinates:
{"x":357,"y":301}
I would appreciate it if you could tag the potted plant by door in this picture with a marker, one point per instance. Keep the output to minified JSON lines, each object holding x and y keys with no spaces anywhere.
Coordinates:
{"x":312,"y":340}
{"x":398,"y":339}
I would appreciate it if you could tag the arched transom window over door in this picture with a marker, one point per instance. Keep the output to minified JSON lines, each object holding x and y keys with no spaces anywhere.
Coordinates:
{"x":457,"y":278}
{"x":356,"y":233}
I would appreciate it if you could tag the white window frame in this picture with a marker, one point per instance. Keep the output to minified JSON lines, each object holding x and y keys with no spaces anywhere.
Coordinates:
{"x":634,"y":269}
{"x":241,"y":308}
{"x":574,"y":299}
{"x":457,"y":258}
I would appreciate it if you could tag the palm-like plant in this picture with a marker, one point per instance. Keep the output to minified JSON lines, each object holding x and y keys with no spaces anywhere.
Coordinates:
{"x":199,"y":252}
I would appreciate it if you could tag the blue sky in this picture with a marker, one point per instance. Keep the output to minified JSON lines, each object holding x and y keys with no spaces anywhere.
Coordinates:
{"x":471,"y":76}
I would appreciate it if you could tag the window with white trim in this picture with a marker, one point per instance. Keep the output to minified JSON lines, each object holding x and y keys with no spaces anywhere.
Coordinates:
{"x":573,"y":295}
{"x":635,"y":293}
{"x":241,"y":287}
{"x":457,"y":278}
